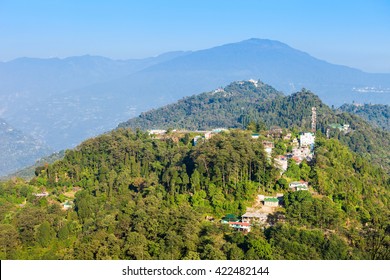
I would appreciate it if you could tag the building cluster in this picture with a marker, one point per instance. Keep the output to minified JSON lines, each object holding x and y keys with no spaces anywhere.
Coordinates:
{"x":254,"y":217}
{"x":203,"y":135}
{"x":206,"y":135}
{"x":299,"y":186}
{"x":302,"y":149}
{"x":261,"y":216}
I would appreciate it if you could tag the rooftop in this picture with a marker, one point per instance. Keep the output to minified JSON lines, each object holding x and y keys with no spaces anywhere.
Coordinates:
{"x":271,"y":199}
{"x":253,"y":215}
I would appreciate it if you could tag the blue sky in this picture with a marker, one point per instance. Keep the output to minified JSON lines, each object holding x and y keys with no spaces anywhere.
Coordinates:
{"x":354,"y":33}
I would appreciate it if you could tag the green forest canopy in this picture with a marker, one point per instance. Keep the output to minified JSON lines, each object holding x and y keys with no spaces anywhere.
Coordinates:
{"x":139,"y":197}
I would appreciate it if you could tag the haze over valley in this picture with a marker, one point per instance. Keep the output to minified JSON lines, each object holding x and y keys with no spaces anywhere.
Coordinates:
{"x":61,"y":102}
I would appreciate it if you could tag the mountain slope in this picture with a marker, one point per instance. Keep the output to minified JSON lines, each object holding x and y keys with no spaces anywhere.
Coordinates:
{"x":220,"y":108}
{"x":34,"y":95}
{"x":133,"y":196}
{"x":275,"y":63}
{"x":28,"y":172}
{"x":17,"y":149}
{"x":377,"y":115}
{"x":266,"y":106}
{"x":55,"y":76}
{"x":295,"y":111}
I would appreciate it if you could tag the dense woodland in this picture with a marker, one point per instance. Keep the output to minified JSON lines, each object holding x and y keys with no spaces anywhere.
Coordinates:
{"x":377,"y":115}
{"x":140,"y":197}
{"x":225,"y":107}
{"x":242,"y":103}
{"x":137,"y":196}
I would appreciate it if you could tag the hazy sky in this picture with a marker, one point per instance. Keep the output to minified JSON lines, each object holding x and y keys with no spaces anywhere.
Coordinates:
{"x":354,"y":33}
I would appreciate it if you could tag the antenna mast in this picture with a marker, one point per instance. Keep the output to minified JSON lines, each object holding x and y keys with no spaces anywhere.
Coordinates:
{"x":313,"y":119}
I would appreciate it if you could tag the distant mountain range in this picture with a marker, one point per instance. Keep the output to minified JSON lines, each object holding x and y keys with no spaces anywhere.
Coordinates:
{"x":27,"y":172}
{"x":64,"y":101}
{"x":18,"y":149}
{"x":35,"y":95}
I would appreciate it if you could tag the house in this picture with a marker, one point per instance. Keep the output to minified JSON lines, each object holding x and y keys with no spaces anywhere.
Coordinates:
{"x":157,"y":132}
{"x":268,"y":151}
{"x":297,"y":159}
{"x":299,"y":186}
{"x":67,"y":205}
{"x":254,"y":217}
{"x":230,"y":218}
{"x":240,"y":226}
{"x":268,"y":146}
{"x":271,"y":201}
{"x":255,"y":135}
{"x":306,"y":139}
{"x":281,"y":163}
{"x":253,"y":82}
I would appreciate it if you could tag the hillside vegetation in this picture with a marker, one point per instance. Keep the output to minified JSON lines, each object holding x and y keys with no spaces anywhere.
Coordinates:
{"x":128,"y":194}
{"x":377,"y":115}
{"x":242,"y":103}
{"x":139,"y":197}
{"x":224,"y":107}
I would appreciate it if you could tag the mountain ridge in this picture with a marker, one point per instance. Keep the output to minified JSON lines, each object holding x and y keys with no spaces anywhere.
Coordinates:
{"x":291,"y":111}
{"x":68,"y":111}
{"x":18,"y":149}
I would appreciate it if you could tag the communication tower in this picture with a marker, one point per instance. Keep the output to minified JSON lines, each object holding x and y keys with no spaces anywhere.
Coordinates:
{"x":313,"y":119}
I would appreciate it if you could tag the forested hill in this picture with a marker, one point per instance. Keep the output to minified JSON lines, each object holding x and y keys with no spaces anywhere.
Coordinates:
{"x":242,"y":103}
{"x":133,"y":196}
{"x":294,"y":112}
{"x":224,"y":107}
{"x":378,"y":115}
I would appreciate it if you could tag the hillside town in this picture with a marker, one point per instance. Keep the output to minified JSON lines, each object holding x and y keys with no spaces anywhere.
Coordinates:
{"x":266,"y":208}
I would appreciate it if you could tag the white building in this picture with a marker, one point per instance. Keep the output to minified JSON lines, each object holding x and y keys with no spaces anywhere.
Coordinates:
{"x":157,"y":131}
{"x":306,"y":139}
{"x":299,"y":186}
{"x":254,"y":217}
{"x":240,"y":226}
{"x":281,"y":163}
